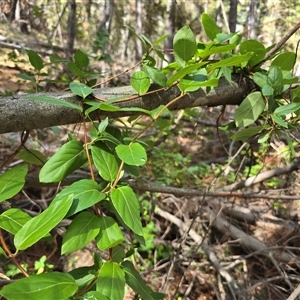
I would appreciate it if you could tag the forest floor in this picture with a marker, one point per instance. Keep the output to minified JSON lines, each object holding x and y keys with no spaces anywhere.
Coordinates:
{"x":225,"y":246}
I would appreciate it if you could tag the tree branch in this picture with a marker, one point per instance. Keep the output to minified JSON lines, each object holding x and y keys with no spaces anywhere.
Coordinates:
{"x":19,"y":114}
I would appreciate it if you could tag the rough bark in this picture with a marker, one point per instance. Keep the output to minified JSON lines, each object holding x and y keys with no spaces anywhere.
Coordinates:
{"x":17,"y":113}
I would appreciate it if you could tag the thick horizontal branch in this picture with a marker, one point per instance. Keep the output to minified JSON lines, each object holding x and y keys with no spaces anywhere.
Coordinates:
{"x":18,"y":114}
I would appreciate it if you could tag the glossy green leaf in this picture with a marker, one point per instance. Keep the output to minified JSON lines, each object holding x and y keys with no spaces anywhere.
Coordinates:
{"x":35,"y":60}
{"x":140,"y":82}
{"x":285,"y":61}
{"x":184,"y":45}
{"x":267,"y":90}
{"x":13,"y":219}
{"x":231,"y":61}
{"x":258,"y":50}
{"x":135,"y":281}
{"x":118,"y":254}
{"x":66,"y":160}
{"x":94,"y":295}
{"x":12,"y":181}
{"x":279,"y":121}
{"x":275,"y":76}
{"x":128,"y":208}
{"x":245,"y":134}
{"x":214,"y":50}
{"x":260,"y":79}
{"x":210,"y":27}
{"x":80,"y":89}
{"x":81,"y":59}
{"x":105,"y":163}
{"x":37,"y":227}
{"x":183,"y":72}
{"x":110,"y":234}
{"x":32,"y":156}
{"x":47,"y":286}
{"x":80,"y":232}
{"x":160,"y":40}
{"x":287,"y":109}
{"x":249,"y":110}
{"x":295,"y":94}
{"x":54,"y":101}
{"x":74,"y":69}
{"x":111,"y":281}
{"x":108,"y":107}
{"x":85,"y":194}
{"x":133,"y":154}
{"x":189,"y":84}
{"x":155,"y":75}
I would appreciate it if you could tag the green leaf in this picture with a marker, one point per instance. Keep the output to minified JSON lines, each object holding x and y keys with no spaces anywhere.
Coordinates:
{"x":12,"y":181}
{"x":47,"y":286}
{"x":236,"y":60}
{"x":108,"y":107}
{"x":85,"y":194}
{"x":80,"y":89}
{"x":74,"y":69}
{"x":110,"y":234}
{"x":160,"y":40}
{"x":35,"y":60}
{"x":260,"y":79}
{"x":214,"y":50}
{"x":155,"y":75}
{"x":66,"y":160}
{"x":13,"y":219}
{"x":81,"y":59}
{"x":32,"y":156}
{"x":287,"y":109}
{"x":258,"y":50}
{"x":26,"y":77}
{"x":279,"y":121}
{"x":267,"y":90}
{"x":94,"y":295}
{"x":128,"y":208}
{"x":285,"y":61}
{"x":133,"y":154}
{"x":249,"y":110}
{"x":190,"y":84}
{"x":184,"y":45}
{"x":183,"y":72}
{"x":111,"y":281}
{"x":54,"y":101}
{"x":140,"y":82}
{"x":210,"y":27}
{"x":245,"y":134}
{"x":105,"y":163}
{"x":135,"y":281}
{"x":81,"y":231}
{"x":39,"y":226}
{"x":275,"y":76}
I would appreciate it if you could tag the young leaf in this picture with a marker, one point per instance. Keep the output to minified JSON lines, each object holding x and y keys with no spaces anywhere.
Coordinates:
{"x":214,"y":50}
{"x":35,"y":60}
{"x":210,"y":27}
{"x":128,"y":208}
{"x":249,"y":110}
{"x":85,"y":194}
{"x":32,"y":156}
{"x":47,"y":286}
{"x":111,"y":281}
{"x":236,"y":60}
{"x":12,"y":181}
{"x":81,"y":59}
{"x":105,"y":163}
{"x":285,"y":61}
{"x":39,"y":226}
{"x":140,"y":82}
{"x":94,"y":295}
{"x":184,"y":45}
{"x":110,"y":234}
{"x":13,"y":219}
{"x":80,"y":89}
{"x":155,"y":75}
{"x":278,"y":120}
{"x":74,"y":69}
{"x":135,"y":281}
{"x":258,"y":50}
{"x":260,"y":79}
{"x":66,"y":160}
{"x":54,"y":101}
{"x":247,"y":133}
{"x":133,"y":154}
{"x":81,"y":231}
{"x":160,"y":40}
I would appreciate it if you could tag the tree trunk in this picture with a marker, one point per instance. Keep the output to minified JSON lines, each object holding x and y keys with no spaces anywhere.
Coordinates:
{"x":233,"y":15}
{"x":71,"y":31}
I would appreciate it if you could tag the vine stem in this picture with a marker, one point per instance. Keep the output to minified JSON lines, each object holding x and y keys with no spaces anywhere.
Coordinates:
{"x":11,"y":256}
